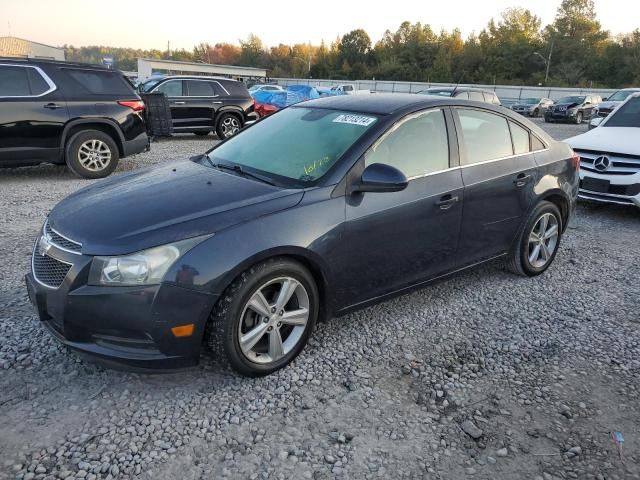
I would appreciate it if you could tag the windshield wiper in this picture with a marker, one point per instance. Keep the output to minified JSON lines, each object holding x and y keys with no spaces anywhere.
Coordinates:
{"x":238,"y":169}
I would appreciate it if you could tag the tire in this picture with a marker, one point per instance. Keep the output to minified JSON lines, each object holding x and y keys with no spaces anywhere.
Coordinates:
{"x":91,"y":154}
{"x":579,"y":118}
{"x":520,"y":258}
{"x":232,"y":317}
{"x":201,"y":134}
{"x":547,"y":120}
{"x":228,"y":125}
{"x":536,"y":112}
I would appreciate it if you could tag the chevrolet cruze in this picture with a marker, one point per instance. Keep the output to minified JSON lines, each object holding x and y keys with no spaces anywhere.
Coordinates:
{"x":325,"y":207}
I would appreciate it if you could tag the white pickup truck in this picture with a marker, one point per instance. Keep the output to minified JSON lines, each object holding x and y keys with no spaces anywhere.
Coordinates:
{"x":349,"y":89}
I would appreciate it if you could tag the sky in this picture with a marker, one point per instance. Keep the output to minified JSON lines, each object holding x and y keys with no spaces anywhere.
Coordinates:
{"x":151,"y":24}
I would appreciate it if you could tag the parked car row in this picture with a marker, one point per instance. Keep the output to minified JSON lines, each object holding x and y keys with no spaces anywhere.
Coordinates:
{"x":463,"y":93}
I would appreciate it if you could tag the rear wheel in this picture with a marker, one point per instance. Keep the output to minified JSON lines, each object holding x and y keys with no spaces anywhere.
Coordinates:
{"x":263,"y":320}
{"x":538,"y":242}
{"x":228,"y":125}
{"x":92,"y":154}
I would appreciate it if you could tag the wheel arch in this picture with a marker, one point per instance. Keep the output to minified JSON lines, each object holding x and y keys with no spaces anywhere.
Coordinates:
{"x":237,"y":111}
{"x":306,"y":258}
{"x":101,"y":124}
{"x":560,"y":200}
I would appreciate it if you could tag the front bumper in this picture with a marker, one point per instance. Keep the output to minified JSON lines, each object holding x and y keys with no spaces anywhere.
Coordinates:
{"x":610,"y":188}
{"x":129,"y":326}
{"x":560,"y":116}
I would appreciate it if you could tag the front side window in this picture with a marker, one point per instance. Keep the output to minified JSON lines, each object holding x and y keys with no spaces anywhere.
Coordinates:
{"x":172,"y":88}
{"x":484,"y":136}
{"x":296,"y":145}
{"x":520,"y":138}
{"x":14,"y":82}
{"x":627,"y":115}
{"x":416,"y":146}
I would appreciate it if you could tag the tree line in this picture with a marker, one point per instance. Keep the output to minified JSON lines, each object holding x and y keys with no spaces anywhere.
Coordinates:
{"x":514,"y":49}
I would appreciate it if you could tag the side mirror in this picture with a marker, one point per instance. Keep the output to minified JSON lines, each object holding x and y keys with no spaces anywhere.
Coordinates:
{"x":379,"y":177}
{"x":605,"y":99}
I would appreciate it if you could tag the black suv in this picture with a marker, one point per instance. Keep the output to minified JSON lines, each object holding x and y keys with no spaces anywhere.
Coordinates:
{"x":464,"y":93}
{"x":83,"y":115}
{"x":203,"y":104}
{"x":573,"y":108}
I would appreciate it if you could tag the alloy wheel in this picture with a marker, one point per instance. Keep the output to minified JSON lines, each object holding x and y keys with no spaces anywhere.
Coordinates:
{"x":94,"y":155}
{"x":543,"y":240}
{"x":230,"y":126}
{"x":273,"y":320}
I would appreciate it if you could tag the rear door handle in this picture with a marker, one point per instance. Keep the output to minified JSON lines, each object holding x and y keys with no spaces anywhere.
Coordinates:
{"x":216,"y":103}
{"x":446,"y":201}
{"x":178,"y":103}
{"x":52,"y":106}
{"x":522,"y":179}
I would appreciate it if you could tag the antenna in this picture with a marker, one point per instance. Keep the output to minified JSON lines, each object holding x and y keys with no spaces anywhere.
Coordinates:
{"x":458,"y":84}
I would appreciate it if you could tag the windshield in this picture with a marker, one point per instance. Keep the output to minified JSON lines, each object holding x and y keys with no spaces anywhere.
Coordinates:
{"x":530,"y":101}
{"x":297,"y":143}
{"x":573,"y":99}
{"x":620,"y":95}
{"x":627,"y":115}
{"x":149,"y":84}
{"x":441,"y":93}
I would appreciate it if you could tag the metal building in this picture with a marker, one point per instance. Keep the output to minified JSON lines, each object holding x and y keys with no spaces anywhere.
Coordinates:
{"x":149,"y":66}
{"x":19,"y":47}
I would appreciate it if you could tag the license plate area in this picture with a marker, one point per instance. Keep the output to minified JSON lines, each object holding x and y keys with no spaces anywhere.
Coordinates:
{"x":595,"y":185}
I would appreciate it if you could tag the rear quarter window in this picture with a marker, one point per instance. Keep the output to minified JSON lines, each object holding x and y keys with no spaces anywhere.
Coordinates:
{"x":99,"y":82}
{"x":236,"y":89}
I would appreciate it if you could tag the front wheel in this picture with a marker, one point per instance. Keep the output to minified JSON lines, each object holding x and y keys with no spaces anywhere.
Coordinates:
{"x":536,"y":112}
{"x":538,"y":242}
{"x":264,"y":318}
{"x":579,"y":118}
{"x":228,"y":125}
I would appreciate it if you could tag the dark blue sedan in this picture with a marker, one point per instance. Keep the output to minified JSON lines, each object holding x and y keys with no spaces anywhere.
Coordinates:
{"x":322,"y":208}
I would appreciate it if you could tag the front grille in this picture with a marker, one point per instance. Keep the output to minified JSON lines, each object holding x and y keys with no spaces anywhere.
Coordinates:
{"x":61,"y":241}
{"x":603,"y":112}
{"x":49,"y":271}
{"x":620,"y":164}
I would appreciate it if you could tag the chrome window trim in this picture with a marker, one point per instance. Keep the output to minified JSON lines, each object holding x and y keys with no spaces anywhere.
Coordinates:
{"x":194,"y":80}
{"x":45,"y":77}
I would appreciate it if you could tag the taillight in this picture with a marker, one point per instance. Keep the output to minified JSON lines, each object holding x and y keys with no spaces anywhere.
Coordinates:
{"x":135,"y":105}
{"x":575,"y":160}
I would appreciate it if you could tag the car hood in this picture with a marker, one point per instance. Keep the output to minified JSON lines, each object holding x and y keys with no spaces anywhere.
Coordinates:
{"x":526,"y":105}
{"x":146,"y":208}
{"x":566,"y":105}
{"x":608,"y":139}
{"x":612,"y":104}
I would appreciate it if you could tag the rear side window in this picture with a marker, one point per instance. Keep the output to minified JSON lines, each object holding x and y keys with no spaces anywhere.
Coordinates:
{"x":520,"y":139}
{"x":477,"y":96}
{"x":416,"y":146}
{"x":172,"y":88}
{"x":14,"y":82}
{"x":198,"y":88}
{"x":484,"y":136}
{"x":99,"y":82}
{"x":36,"y":82}
{"x":536,"y":144}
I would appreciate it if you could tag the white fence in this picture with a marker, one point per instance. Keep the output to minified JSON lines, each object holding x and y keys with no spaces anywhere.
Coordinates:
{"x":508,"y":94}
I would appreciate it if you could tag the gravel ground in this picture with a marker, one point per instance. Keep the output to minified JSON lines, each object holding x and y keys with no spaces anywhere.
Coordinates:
{"x":485,"y":375}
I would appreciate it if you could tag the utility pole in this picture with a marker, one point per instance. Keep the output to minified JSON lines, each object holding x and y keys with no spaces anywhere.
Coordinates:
{"x":546,"y":75}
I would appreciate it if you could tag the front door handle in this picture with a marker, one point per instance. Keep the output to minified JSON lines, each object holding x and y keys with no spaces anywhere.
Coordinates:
{"x":522,"y":179}
{"x":178,"y":103}
{"x":447,"y":201}
{"x":52,"y":106}
{"x":216,"y":103}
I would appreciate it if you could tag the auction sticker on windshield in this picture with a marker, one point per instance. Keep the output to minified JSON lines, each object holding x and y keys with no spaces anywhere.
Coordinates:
{"x":354,"y":120}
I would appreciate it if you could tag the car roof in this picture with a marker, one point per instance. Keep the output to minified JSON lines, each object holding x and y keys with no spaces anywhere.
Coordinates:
{"x":458,"y":89}
{"x":60,"y":63}
{"x":387,"y":103}
{"x":196,"y":77}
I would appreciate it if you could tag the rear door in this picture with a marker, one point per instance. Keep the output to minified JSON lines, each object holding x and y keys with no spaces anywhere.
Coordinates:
{"x":32,"y":115}
{"x":400,"y":238}
{"x":202,"y":102}
{"x":499,"y":173}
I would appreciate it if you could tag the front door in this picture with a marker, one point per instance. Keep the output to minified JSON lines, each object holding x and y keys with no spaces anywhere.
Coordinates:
{"x":32,"y":115}
{"x":401,"y":238}
{"x":499,"y":175}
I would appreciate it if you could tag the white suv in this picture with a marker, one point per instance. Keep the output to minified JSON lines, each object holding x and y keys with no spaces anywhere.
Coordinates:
{"x":610,"y":156}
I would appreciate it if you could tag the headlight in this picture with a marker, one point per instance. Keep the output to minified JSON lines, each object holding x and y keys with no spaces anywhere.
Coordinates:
{"x":572,"y":110}
{"x":142,"y":268}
